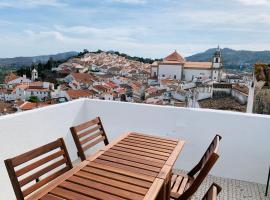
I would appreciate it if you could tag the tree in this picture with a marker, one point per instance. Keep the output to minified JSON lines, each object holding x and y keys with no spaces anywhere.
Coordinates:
{"x":34,"y":99}
{"x":123,"y":97}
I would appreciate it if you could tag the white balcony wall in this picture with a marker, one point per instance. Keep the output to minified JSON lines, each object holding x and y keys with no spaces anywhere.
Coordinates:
{"x":244,"y":148}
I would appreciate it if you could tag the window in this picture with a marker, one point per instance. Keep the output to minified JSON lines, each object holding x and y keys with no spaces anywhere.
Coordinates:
{"x":217,"y":60}
{"x":174,"y":76}
{"x":163,"y":75}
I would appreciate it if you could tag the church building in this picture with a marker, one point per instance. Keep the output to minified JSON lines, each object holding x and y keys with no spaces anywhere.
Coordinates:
{"x":176,"y":67}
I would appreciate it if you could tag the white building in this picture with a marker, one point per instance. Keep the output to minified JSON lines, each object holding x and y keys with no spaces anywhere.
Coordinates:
{"x":12,"y":79}
{"x":34,"y":74}
{"x":175,"y":66}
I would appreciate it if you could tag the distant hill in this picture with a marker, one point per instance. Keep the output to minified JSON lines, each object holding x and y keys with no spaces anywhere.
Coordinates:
{"x":234,"y":58}
{"x":26,"y":61}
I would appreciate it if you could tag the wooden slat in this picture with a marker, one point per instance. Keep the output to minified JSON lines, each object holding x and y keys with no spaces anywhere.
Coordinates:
{"x":183,"y":185}
{"x":157,"y":162}
{"x":85,"y":133}
{"x":18,"y":160}
{"x":93,"y":143}
{"x":121,"y":171}
{"x":144,"y":150}
{"x":44,"y":181}
{"x":86,"y":125}
{"x":162,"y":158}
{"x":141,"y":160}
{"x":88,"y":191}
{"x":124,"y":193}
{"x":41,"y":172}
{"x":70,"y":195}
{"x":56,"y":182}
{"x":145,"y":146}
{"x":91,"y":137}
{"x":143,"y":142}
{"x":39,"y":163}
{"x":117,"y":176}
{"x":154,"y":189}
{"x":153,"y":137}
{"x":51,"y":197}
{"x":129,"y":163}
{"x":115,"y":141}
{"x":174,"y":176}
{"x":111,"y":182}
{"x":130,"y":137}
{"x":177,"y":184}
{"x":129,"y":168}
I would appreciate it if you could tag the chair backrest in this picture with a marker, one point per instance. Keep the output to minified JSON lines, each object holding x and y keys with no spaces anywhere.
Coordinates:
{"x":213,"y":192}
{"x":87,"y":135}
{"x":201,"y":170}
{"x":30,"y":171}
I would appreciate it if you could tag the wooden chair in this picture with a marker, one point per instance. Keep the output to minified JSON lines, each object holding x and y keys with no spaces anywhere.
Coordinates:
{"x":87,"y":135}
{"x":183,"y":186}
{"x":213,"y":192}
{"x":32,"y":170}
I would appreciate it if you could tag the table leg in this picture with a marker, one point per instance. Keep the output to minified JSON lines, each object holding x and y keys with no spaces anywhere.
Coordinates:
{"x":165,"y":191}
{"x":168,"y":186}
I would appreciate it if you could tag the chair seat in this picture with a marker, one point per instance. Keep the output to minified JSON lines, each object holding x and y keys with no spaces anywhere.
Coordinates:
{"x":179,"y":184}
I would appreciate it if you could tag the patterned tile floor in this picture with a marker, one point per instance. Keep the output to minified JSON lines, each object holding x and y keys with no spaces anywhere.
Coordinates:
{"x":233,"y":189}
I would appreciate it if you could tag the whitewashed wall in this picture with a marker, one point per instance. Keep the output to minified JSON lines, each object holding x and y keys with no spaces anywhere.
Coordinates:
{"x":170,"y":71}
{"x":189,"y":74}
{"x":245,"y":145}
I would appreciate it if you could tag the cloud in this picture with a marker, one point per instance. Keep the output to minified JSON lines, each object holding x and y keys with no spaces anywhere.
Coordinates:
{"x":22,"y":4}
{"x":107,"y":33}
{"x":254,"y":2}
{"x":128,"y":1}
{"x":47,"y":35}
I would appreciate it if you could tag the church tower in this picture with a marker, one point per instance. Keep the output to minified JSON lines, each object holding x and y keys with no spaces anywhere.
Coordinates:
{"x":217,"y":65}
{"x":34,"y":74}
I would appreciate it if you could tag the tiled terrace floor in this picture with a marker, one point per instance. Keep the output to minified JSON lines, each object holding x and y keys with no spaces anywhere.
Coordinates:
{"x":233,"y":189}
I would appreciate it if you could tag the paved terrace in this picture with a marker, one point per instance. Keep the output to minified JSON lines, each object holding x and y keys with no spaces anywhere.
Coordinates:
{"x":232,"y":189}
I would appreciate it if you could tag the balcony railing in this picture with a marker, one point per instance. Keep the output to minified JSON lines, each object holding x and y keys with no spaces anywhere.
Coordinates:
{"x":244,"y":149}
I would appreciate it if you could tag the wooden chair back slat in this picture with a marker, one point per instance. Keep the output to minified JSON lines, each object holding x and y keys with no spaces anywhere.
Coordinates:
{"x":45,"y":181}
{"x":89,"y":131}
{"x":213,"y":192}
{"x":18,"y":160}
{"x":87,"y":135}
{"x":88,"y":146}
{"x":202,"y":169}
{"x":25,"y":171}
{"x":38,"y":163}
{"x":86,"y":125}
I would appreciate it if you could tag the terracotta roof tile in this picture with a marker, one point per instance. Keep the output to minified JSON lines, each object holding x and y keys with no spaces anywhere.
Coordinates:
{"x":76,"y":94}
{"x":174,"y":57}
{"x":10,"y":77}
{"x":202,"y":65}
{"x":29,"y":105}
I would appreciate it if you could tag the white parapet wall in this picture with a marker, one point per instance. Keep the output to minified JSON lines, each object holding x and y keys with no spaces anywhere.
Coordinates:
{"x":244,"y":147}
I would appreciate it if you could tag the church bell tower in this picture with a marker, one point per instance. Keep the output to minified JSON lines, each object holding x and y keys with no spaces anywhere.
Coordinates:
{"x":217,"y":65}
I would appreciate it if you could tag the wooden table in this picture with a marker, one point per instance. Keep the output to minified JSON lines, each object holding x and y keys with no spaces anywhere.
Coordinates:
{"x":135,"y":166}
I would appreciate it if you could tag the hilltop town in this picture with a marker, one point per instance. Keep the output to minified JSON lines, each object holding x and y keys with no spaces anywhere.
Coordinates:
{"x":108,"y":76}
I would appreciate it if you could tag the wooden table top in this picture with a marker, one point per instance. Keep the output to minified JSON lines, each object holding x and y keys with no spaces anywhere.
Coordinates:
{"x":134,"y":166}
